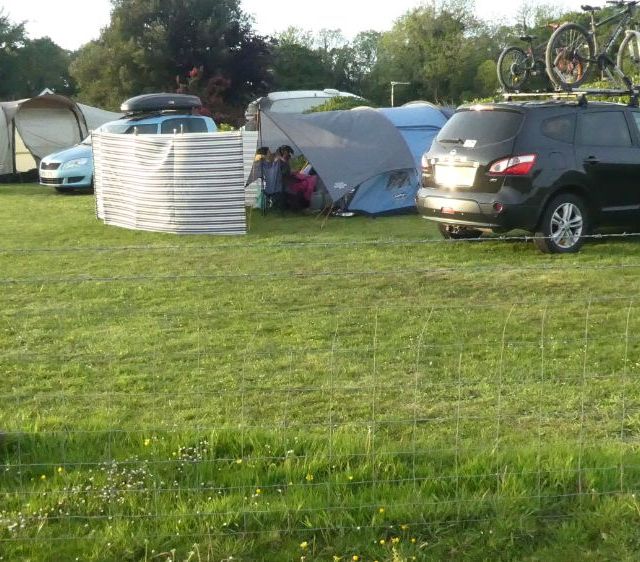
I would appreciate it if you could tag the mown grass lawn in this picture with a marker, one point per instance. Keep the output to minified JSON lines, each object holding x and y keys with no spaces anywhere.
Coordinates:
{"x":350,"y":390}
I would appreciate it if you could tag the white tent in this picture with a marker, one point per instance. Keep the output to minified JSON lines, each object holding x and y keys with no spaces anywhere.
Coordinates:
{"x":32,"y":128}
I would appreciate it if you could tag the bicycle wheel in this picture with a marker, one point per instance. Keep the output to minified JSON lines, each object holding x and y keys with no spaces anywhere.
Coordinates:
{"x":569,"y":56}
{"x":628,"y":59}
{"x":513,"y":71}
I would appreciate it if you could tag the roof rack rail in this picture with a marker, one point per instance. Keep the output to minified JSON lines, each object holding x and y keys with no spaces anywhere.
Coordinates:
{"x":579,"y":94}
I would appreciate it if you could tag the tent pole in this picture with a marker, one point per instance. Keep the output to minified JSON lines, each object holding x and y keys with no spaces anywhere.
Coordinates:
{"x":263,"y":199}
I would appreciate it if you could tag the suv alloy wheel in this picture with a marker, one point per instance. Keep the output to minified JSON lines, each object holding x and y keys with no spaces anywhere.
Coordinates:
{"x":563,"y":226}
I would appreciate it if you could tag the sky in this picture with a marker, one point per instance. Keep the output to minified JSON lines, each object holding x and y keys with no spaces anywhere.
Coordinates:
{"x":71,"y":23}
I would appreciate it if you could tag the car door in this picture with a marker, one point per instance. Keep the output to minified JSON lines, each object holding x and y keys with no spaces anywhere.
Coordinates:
{"x":606,"y":151}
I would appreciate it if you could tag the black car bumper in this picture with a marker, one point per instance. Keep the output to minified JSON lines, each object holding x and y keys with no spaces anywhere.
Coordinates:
{"x":495,"y":211}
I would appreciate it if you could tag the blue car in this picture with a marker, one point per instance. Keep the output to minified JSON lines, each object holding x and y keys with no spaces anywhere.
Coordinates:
{"x":69,"y":169}
{"x":72,"y":169}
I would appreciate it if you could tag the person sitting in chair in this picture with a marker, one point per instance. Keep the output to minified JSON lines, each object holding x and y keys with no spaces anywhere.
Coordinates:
{"x":298,"y":186}
{"x":283,"y":155}
{"x":303,"y":185}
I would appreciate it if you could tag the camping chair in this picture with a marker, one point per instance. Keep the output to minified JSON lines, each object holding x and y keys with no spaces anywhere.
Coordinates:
{"x":272,"y":187}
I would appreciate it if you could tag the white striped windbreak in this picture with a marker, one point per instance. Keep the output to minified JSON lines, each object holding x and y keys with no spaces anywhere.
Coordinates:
{"x":249,"y":147}
{"x":183,"y":183}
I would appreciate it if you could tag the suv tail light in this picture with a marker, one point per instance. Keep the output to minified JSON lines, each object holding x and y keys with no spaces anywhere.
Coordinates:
{"x":514,"y":166}
{"x":427,"y":166}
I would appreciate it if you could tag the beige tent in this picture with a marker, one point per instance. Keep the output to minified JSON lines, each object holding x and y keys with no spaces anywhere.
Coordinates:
{"x":32,"y":128}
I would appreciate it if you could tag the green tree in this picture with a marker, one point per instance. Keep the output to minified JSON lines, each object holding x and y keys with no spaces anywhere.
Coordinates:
{"x":486,"y":79}
{"x":29,"y":66}
{"x":153,"y":45}
{"x":104,"y":72}
{"x":297,"y":36}
{"x":438,"y":49}
{"x":12,"y":39}
{"x":297,"y":65}
{"x":303,"y":60}
{"x":366,"y":76}
{"x":337,"y":56}
{"x":43,"y":64}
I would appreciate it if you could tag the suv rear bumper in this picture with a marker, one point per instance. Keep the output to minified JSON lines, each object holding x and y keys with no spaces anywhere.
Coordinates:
{"x":496,"y":211}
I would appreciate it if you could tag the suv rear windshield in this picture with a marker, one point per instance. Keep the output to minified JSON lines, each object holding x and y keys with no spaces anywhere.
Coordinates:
{"x":487,"y":126}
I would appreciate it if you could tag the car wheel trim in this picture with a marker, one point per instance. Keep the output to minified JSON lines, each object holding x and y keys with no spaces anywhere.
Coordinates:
{"x":566,"y":225}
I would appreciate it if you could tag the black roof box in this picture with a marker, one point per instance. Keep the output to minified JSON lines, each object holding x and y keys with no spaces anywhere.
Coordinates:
{"x":160,"y":102}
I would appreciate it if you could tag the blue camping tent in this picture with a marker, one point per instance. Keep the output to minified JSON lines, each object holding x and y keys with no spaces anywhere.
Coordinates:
{"x":395,"y":190}
{"x":367,"y":159}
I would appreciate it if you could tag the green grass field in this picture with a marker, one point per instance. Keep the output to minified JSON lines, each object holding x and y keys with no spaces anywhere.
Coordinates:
{"x":351,"y":390}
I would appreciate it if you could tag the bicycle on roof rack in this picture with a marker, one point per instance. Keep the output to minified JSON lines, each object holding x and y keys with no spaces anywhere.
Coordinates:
{"x":572,"y":51}
{"x":516,"y":66}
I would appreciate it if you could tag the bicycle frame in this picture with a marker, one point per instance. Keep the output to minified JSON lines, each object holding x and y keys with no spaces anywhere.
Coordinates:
{"x":530,"y":56}
{"x":533,"y":52}
{"x":627,"y":16}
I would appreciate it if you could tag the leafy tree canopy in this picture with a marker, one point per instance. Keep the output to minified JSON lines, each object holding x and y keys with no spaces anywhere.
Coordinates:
{"x":202,"y":46}
{"x":29,"y":66}
{"x":12,"y":39}
{"x":208,"y":47}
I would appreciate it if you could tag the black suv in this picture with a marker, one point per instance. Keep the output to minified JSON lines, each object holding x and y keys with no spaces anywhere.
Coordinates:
{"x":555,"y":168}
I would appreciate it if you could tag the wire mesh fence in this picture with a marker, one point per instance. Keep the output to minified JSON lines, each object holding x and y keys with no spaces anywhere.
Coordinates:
{"x":322,"y":412}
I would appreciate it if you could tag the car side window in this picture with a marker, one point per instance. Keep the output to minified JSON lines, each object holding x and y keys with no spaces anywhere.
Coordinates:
{"x":636,"y":118}
{"x":142,"y":130}
{"x":604,"y":128}
{"x":182,"y":125}
{"x":560,"y":128}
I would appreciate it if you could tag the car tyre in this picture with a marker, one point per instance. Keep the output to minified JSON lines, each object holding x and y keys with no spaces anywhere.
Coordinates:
{"x":564,"y":225}
{"x":455,"y":232}
{"x":513,"y":73}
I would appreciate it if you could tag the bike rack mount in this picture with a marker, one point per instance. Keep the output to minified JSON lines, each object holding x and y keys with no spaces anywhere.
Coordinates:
{"x":579,"y":94}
